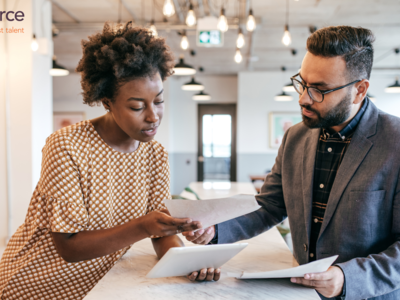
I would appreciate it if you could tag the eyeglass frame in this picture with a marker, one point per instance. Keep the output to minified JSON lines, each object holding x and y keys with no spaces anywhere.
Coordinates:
{"x":323,"y":93}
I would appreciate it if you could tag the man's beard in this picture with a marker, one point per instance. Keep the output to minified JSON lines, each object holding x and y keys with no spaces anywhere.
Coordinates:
{"x":334,"y":117}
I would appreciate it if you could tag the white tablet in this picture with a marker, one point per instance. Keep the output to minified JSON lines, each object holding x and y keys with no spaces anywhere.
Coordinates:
{"x":182,"y":261}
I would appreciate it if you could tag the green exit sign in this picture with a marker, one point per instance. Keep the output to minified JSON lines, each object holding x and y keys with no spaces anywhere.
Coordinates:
{"x":209,"y":38}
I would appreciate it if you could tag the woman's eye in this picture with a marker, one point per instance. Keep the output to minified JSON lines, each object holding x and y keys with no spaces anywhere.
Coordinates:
{"x":158,"y":103}
{"x":136,"y":109}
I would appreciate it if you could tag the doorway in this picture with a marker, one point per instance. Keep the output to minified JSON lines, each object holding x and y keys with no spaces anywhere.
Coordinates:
{"x":216,"y":159}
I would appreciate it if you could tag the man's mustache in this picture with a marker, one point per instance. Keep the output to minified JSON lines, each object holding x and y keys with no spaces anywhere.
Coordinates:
{"x":308,"y":107}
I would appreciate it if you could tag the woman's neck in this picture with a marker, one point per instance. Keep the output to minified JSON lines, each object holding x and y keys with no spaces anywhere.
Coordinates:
{"x":113,"y":135}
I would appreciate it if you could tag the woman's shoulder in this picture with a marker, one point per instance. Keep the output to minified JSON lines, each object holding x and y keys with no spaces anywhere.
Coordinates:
{"x":157,"y":150}
{"x":73,"y":136}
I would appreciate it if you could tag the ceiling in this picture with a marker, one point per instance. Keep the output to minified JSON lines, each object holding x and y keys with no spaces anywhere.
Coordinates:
{"x":76,"y":19}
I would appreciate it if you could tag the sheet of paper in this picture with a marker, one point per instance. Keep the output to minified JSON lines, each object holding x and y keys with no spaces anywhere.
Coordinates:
{"x":212,"y":211}
{"x":317,"y":266}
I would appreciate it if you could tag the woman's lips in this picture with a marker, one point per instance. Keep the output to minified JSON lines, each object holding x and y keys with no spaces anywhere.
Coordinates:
{"x":150,"y":132}
{"x":307,"y":113}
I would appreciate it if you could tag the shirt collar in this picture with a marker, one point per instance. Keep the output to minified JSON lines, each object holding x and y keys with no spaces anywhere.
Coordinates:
{"x":351,"y":127}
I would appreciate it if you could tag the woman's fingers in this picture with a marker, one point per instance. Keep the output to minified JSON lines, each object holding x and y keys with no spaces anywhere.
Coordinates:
{"x":217,"y":274}
{"x":210,"y":274}
{"x":202,"y":275}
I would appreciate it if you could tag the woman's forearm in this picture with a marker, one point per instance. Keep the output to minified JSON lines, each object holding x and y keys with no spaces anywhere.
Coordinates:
{"x":84,"y":245}
{"x":161,"y":245}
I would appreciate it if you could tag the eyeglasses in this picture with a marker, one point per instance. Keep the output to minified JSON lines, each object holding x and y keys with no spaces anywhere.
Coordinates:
{"x":314,"y":93}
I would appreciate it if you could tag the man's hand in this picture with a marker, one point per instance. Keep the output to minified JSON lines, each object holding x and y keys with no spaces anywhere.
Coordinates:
{"x":205,"y":275}
{"x":202,"y":236}
{"x":328,"y":284}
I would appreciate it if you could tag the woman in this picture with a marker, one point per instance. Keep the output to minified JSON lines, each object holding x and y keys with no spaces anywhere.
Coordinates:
{"x":102,"y":181}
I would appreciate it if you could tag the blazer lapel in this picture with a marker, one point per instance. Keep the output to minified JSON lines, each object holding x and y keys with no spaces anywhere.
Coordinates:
{"x":354,"y":156}
{"x":310,"y":150}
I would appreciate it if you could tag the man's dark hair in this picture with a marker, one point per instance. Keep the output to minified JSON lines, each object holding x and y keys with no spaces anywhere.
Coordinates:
{"x":117,"y":55}
{"x":354,"y":44}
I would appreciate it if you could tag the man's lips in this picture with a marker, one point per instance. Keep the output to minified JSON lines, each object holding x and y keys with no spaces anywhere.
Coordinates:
{"x":307,"y":113}
{"x":150,"y":131}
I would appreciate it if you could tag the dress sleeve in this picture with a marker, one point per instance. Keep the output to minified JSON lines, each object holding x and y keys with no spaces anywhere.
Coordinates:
{"x":159,"y":181}
{"x":58,"y":201}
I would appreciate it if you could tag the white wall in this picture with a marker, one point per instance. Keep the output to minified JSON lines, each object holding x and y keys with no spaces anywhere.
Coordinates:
{"x":27,"y":86}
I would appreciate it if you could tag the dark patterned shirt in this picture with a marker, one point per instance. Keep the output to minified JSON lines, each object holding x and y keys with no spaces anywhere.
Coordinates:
{"x":331,"y":149}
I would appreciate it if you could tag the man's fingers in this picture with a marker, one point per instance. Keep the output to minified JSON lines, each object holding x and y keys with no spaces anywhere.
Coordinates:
{"x":318,"y":276}
{"x":308,"y":283}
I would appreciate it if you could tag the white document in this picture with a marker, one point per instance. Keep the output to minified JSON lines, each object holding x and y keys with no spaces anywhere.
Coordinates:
{"x":212,"y":211}
{"x":317,"y":266}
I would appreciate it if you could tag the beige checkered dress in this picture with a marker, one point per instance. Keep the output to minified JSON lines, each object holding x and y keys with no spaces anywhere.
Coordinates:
{"x":84,"y":185}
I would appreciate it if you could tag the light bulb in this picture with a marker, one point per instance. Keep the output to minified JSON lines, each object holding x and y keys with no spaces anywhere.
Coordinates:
{"x":34,"y":44}
{"x":153,"y":29}
{"x":222,"y":21}
{"x":168,"y":9}
{"x":191,"y":17}
{"x":184,"y":42}
{"x":240,"y":39}
{"x":238,"y":56}
{"x":251,"y":21}
{"x":286,"y":39}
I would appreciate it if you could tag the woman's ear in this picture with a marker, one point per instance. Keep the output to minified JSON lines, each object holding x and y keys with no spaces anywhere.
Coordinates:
{"x":106,"y":104}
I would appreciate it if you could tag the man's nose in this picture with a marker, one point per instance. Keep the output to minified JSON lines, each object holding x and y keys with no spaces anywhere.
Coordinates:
{"x":305,"y":99}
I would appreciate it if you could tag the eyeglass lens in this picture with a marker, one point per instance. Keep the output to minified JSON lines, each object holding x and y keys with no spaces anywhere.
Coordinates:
{"x":312,"y":92}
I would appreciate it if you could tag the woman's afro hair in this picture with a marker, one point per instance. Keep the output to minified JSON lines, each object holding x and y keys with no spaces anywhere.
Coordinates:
{"x":117,"y":55}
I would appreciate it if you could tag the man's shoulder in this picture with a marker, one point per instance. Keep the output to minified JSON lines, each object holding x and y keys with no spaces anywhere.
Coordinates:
{"x":388,"y":123}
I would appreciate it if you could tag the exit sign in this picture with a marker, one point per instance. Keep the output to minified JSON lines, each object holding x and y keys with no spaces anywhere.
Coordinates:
{"x":208,"y":34}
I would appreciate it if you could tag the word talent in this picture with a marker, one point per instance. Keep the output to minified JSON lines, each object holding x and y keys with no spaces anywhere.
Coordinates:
{"x":12,"y":30}
{"x":11,"y":16}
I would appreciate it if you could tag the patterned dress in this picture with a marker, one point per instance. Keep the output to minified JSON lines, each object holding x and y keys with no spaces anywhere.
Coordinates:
{"x":84,"y":185}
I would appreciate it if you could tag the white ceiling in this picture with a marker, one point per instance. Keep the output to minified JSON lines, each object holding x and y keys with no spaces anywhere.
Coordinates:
{"x":77,"y":19}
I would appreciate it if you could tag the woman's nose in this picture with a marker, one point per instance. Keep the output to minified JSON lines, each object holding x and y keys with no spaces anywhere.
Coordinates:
{"x":152,"y":116}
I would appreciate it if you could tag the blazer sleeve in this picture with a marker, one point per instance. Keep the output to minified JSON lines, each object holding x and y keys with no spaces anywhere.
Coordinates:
{"x":376,"y":274}
{"x":272,"y":211}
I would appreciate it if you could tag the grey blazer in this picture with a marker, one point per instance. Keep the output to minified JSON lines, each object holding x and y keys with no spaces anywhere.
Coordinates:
{"x":362,"y":219}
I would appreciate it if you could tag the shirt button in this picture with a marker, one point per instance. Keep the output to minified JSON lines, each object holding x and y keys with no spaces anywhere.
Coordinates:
{"x":329,"y":149}
{"x":316,"y":220}
{"x":321,"y":186}
{"x":311,"y":254}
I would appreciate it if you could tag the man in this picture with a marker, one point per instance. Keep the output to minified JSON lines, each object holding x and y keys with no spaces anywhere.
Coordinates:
{"x":336,"y":175}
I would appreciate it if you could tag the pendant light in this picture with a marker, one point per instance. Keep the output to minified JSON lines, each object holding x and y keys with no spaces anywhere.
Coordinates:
{"x":289,"y":88}
{"x":191,"y":17}
{"x":238,"y":56}
{"x":287,"y":39}
{"x":192,"y":85}
{"x":153,"y":29}
{"x":394,"y":88}
{"x":240,"y":39}
{"x":251,"y":21}
{"x":34,"y":44}
{"x":283,"y":97}
{"x":201,"y":96}
{"x":168,"y":8}
{"x":222,"y":21}
{"x":184,"y":41}
{"x":182,"y":69}
{"x":58,"y":70}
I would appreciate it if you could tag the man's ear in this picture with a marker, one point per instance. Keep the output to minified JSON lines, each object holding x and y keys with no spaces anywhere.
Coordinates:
{"x":362,"y":89}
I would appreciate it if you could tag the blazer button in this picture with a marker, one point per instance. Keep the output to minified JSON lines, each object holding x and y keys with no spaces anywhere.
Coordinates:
{"x":305,"y":247}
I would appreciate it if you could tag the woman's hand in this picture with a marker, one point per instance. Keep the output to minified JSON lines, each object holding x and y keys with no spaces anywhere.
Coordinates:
{"x":159,"y":223}
{"x":205,"y":275}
